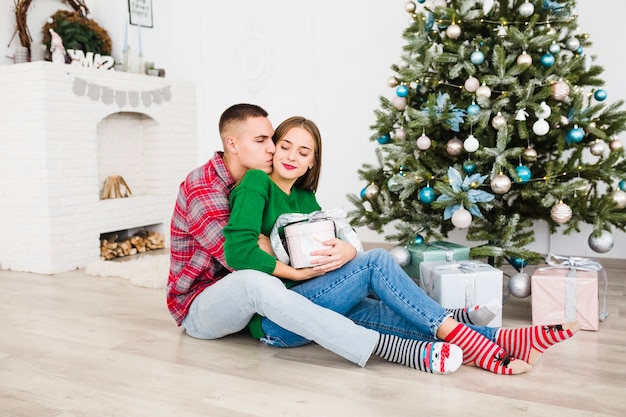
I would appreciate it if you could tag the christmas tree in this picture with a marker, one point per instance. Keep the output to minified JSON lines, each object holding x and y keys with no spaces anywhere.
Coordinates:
{"x":497,"y":120}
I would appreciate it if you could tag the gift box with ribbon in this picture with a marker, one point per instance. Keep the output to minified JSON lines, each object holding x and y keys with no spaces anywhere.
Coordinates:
{"x":434,"y":251}
{"x":463,"y":284}
{"x":566,"y":289}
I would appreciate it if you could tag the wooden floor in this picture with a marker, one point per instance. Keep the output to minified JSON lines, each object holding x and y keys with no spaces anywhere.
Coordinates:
{"x":75,"y":345}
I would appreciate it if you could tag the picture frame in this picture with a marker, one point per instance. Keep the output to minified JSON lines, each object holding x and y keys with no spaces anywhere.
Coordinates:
{"x":140,"y":13}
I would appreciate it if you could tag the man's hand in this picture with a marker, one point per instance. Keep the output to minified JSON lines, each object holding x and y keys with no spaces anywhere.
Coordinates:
{"x":266,"y":245}
{"x":334,"y":257}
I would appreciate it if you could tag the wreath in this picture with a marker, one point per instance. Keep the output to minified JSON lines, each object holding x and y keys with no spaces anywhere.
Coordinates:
{"x":77,"y":32}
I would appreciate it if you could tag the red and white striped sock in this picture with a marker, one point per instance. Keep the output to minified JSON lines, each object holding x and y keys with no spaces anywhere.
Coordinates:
{"x":482,"y":352}
{"x":528,"y":343}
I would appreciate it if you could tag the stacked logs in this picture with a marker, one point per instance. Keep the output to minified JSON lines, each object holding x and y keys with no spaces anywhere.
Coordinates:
{"x":112,"y":247}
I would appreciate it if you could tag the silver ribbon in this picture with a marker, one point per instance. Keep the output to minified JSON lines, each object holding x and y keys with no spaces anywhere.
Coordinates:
{"x":342,"y":227}
{"x":447,"y":250}
{"x":577,"y":263}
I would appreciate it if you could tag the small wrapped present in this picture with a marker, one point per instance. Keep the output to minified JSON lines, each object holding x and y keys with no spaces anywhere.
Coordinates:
{"x":568,"y":291}
{"x":434,"y":251}
{"x":306,"y":237}
{"x":463,"y":284}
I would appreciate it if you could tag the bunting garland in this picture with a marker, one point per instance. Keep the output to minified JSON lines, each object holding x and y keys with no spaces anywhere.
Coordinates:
{"x":107,"y":95}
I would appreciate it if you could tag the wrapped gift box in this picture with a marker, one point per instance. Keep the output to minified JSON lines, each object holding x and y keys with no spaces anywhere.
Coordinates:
{"x":463,"y":284}
{"x":561,"y":294}
{"x":434,"y":251}
{"x":305,"y":237}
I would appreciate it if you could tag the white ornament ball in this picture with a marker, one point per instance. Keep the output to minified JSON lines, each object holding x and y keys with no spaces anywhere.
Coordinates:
{"x":560,"y":90}
{"x":544,"y":111}
{"x":602,"y":243}
{"x":526,"y":9}
{"x":561,"y":213}
{"x":398,"y":102}
{"x":423,"y":142}
{"x":572,"y":43}
{"x":470,"y":144}
{"x":400,"y":134}
{"x":461,"y":218}
{"x":615,"y":144}
{"x":472,"y":84}
{"x":410,"y":7}
{"x":519,"y":285}
{"x":454,"y":146}
{"x":483,"y":91}
{"x":541,"y":127}
{"x":619,"y":197}
{"x":453,"y":31}
{"x":499,"y":121}
{"x":597,"y":148}
{"x":372,"y":191}
{"x":401,"y":254}
{"x":500,"y":184}
{"x":525,"y":59}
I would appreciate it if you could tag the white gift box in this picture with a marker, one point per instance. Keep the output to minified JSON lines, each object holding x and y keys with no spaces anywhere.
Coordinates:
{"x":305,"y":237}
{"x":463,"y":284}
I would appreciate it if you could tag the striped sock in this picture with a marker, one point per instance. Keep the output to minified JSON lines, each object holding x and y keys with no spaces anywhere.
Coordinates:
{"x":528,"y":343}
{"x":433,"y":357}
{"x":479,"y":315}
{"x":482,"y":352}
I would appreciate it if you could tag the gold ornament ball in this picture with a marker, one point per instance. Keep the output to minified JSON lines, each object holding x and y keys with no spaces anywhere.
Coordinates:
{"x":561,"y":213}
{"x":372,"y":191}
{"x":393,"y":82}
{"x":530,"y":154}
{"x":616,"y":144}
{"x":525,"y":59}
{"x":597,"y":148}
{"x":454,"y":146}
{"x":619,"y":197}
{"x":500,"y":184}
{"x":498,"y":121}
{"x":560,"y":90}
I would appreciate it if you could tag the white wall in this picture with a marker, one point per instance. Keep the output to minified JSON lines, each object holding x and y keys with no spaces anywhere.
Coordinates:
{"x":326,"y":60}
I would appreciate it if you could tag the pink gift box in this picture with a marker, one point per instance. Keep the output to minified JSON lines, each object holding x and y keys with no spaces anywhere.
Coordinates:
{"x":560,"y":295}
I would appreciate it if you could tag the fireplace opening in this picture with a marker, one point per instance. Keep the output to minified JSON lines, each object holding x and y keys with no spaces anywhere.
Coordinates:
{"x":130,"y":242}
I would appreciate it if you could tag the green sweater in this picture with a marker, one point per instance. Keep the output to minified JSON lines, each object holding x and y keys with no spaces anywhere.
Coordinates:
{"x":255,"y":205}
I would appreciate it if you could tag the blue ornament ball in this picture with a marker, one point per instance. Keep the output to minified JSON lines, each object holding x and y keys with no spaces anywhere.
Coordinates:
{"x":579,"y":51}
{"x":469,"y":167}
{"x":363,"y":195}
{"x":402,"y":91}
{"x":622,"y":185}
{"x":518,"y":263}
{"x":421,"y":1}
{"x":427,"y":195}
{"x":600,"y":95}
{"x":384,"y":139}
{"x":575,"y":135}
{"x":477,"y":58}
{"x":473,"y":109}
{"x":547,"y":60}
{"x":419,"y":240}
{"x":523,"y":172}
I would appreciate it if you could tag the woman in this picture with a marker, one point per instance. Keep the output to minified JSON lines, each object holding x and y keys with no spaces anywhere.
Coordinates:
{"x":401,"y":309}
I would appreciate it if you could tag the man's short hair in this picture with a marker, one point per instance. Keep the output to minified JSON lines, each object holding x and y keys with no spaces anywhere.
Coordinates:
{"x":240,"y":113}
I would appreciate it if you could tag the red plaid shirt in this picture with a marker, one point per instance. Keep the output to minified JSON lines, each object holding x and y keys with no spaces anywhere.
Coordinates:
{"x":197,"y":242}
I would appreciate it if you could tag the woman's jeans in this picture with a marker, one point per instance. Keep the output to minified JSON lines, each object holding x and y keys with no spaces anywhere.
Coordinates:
{"x":398,"y":305}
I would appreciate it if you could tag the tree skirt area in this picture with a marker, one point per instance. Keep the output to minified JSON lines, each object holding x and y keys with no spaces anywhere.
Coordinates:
{"x":149,"y":271}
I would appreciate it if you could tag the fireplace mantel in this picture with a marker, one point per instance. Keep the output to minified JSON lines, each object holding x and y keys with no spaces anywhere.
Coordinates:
{"x":53,"y":121}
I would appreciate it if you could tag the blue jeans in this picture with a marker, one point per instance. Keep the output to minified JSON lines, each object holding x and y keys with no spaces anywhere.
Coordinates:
{"x":399,"y":306}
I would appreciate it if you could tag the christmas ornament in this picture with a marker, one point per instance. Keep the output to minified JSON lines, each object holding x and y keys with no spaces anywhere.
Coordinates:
{"x":421,"y":1}
{"x":383,"y":139}
{"x":419,"y":240}
{"x":372,"y":191}
{"x":392,"y":82}
{"x":575,"y":135}
{"x":477,"y":58}
{"x":526,"y":9}
{"x":410,"y":7}
{"x":597,"y":148}
{"x":402,"y":90}
{"x":423,"y":142}
{"x":472,"y":84}
{"x":500,"y":184}
{"x":530,"y":154}
{"x":371,"y":226}
{"x":615,"y":144}
{"x":619,"y":197}
{"x":400,"y":134}
{"x":399,"y":102}
{"x":461,"y":218}
{"x":518,"y":263}
{"x":561,"y":213}
{"x":363,"y":194}
{"x":469,"y":167}
{"x":454,"y":146}
{"x":427,"y":195}
{"x":401,"y":254}
{"x":523,"y":172}
{"x":453,"y":31}
{"x":483,"y":91}
{"x":473,"y":109}
{"x":541,"y":127}
{"x":560,"y":90}
{"x":521,"y":115}
{"x":394,"y":184}
{"x":519,"y":285}
{"x":554,"y":48}
{"x":622,"y":185}
{"x":525,"y":59}
{"x":499,"y":121}
{"x":602,"y":243}
{"x":544,"y":111}
{"x":600,"y":95}
{"x":572,"y":43}
{"x":547,"y":60}
{"x":470,"y":144}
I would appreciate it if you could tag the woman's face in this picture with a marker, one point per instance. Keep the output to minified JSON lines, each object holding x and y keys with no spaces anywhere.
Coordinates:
{"x":295,"y":154}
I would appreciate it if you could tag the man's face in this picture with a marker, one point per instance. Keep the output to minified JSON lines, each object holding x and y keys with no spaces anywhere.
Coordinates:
{"x":255,"y":148}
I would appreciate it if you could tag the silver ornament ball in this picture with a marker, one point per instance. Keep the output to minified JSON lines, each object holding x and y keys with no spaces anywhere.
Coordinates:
{"x":597,"y":148}
{"x":602,"y":243}
{"x":525,"y":59}
{"x":498,"y":121}
{"x":572,"y":43}
{"x":519,"y":285}
{"x":619,"y":197}
{"x":615,"y":144}
{"x":372,"y":191}
{"x":454,"y":146}
{"x":526,"y":9}
{"x":410,"y":7}
{"x":401,"y":254}
{"x":530,"y":154}
{"x":500,"y":184}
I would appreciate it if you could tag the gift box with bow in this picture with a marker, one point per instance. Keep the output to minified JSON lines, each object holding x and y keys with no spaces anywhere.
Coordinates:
{"x":434,"y":251}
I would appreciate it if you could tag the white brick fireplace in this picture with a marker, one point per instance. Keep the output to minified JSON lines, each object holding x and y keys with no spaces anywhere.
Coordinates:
{"x":63,"y":130}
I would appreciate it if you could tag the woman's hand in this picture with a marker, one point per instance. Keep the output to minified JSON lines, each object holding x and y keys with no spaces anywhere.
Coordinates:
{"x":334,"y":257}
